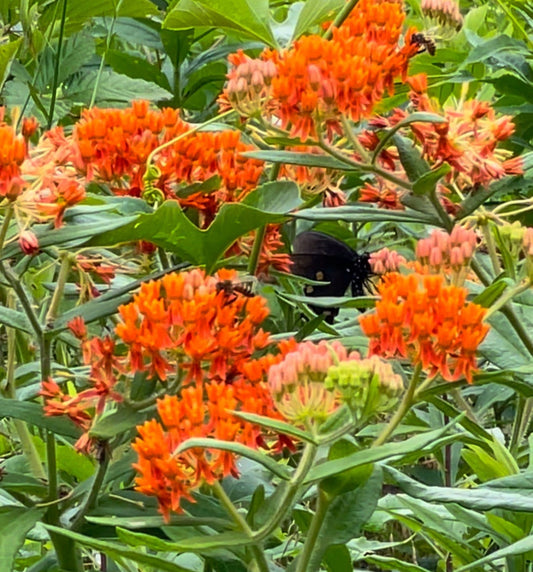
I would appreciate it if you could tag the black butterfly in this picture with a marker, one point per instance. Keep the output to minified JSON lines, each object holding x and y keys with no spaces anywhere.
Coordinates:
{"x":321,"y":257}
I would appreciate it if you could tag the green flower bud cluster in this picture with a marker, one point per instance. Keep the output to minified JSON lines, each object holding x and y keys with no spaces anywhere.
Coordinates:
{"x":367,"y":386}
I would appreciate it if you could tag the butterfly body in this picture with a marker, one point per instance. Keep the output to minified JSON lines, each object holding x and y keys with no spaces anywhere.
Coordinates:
{"x":318,"y":256}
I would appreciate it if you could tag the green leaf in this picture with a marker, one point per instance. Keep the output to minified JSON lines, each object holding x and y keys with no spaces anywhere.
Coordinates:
{"x":199,"y":544}
{"x":388,"y":563}
{"x":304,"y":159}
{"x":275,"y":425}
{"x":23,"y":484}
{"x":365,"y":213}
{"x":388,"y":451}
{"x":267,"y":462}
{"x":249,"y":17}
{"x":346,"y":516}
{"x":428,"y":181}
{"x":15,"y":319}
{"x":170,"y":228}
{"x":112,"y":88}
{"x":111,"y":424}
{"x":70,"y":233}
{"x":15,"y":523}
{"x":481,"y":498}
{"x":7,"y":55}
{"x":80,"y":12}
{"x":491,"y":294}
{"x":136,"y":67}
{"x":119,"y":552}
{"x":315,"y":12}
{"x":33,"y":413}
{"x":413,"y":163}
{"x":523,"y":546}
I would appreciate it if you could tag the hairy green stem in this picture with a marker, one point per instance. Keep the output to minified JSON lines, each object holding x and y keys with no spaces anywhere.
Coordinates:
{"x":55,"y":79}
{"x":253,"y":261}
{"x":403,"y":408}
{"x":304,"y":559}
{"x":341,"y":16}
{"x":291,"y":490}
{"x":92,"y":497}
{"x":364,"y":167}
{"x":447,"y":222}
{"x":261,"y":564}
{"x":66,"y":263}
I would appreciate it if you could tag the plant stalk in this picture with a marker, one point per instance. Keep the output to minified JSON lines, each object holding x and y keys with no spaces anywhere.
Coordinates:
{"x":304,"y":559}
{"x":405,"y":405}
{"x":257,"y":548}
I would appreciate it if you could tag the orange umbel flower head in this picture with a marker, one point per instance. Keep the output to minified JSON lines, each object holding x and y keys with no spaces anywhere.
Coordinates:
{"x":467,"y":139}
{"x":114,"y":145}
{"x":430,"y":323}
{"x":448,"y":253}
{"x":13,"y":151}
{"x":297,"y":382}
{"x":185,"y":324}
{"x":319,"y":79}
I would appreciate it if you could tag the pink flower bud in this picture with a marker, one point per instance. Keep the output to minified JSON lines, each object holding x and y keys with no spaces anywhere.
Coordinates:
{"x":28,"y":242}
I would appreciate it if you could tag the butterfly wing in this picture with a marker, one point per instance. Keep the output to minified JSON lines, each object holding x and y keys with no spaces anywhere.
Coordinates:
{"x":318,"y":256}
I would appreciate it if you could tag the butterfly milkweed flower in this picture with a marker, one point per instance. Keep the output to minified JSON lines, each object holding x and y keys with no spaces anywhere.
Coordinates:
{"x":428,"y":322}
{"x":367,"y":386}
{"x":297,"y":382}
{"x":318,"y":79}
{"x":445,"y":12}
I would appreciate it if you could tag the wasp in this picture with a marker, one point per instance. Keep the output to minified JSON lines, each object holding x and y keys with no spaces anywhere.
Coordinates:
{"x":425,"y":43}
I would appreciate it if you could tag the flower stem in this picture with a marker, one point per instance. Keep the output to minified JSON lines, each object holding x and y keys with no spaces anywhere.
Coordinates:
{"x":323,"y":504}
{"x":341,"y":16}
{"x":92,"y":497}
{"x":364,"y":167}
{"x":55,"y":79}
{"x":257,"y":548}
{"x":291,"y":490}
{"x":66,"y":263}
{"x":253,"y":261}
{"x":404,"y":407}
{"x":523,"y":414}
{"x":26,"y":441}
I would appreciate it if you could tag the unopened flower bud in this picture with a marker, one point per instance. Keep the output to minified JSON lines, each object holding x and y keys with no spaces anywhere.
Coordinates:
{"x":28,"y":242}
{"x":367,"y":386}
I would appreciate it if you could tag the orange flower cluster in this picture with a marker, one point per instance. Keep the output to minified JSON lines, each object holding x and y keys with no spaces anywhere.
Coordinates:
{"x":115,"y":143}
{"x":13,"y":151}
{"x":317,"y":79}
{"x":185,"y":322}
{"x":432,"y":324}
{"x":84,"y":406}
{"x":198,"y":412}
{"x":467,"y":139}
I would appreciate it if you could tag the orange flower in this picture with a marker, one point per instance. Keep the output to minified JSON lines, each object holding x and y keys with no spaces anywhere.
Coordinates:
{"x":13,"y":151}
{"x":183,"y":322}
{"x":319,"y":79}
{"x":114,"y":145}
{"x":422,"y":319}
